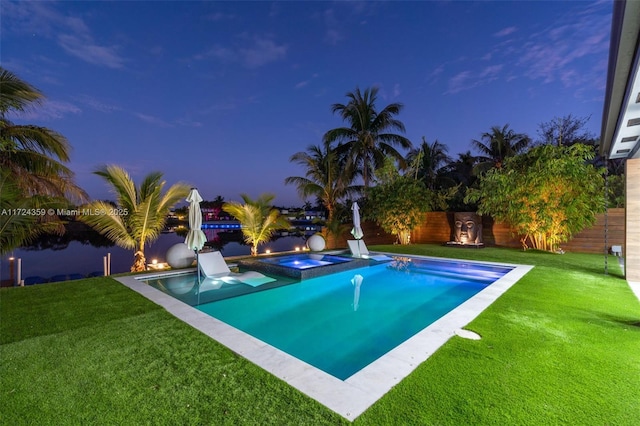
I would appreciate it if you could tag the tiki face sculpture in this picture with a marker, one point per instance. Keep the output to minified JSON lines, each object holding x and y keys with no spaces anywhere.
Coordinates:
{"x":467,"y":228}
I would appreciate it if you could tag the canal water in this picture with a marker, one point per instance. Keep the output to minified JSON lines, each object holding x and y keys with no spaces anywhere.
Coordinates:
{"x":82,"y":258}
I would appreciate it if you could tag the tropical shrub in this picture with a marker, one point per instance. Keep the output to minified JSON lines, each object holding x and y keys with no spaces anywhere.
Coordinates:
{"x":398,"y":202}
{"x":546,"y":195}
{"x":259,"y":220}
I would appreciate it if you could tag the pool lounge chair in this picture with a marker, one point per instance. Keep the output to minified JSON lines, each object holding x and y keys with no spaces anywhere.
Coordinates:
{"x":359,"y":249}
{"x":213,"y":265}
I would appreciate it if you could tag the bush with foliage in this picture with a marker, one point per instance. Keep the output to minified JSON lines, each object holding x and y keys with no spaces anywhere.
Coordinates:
{"x":546,"y":195}
{"x":398,"y":205}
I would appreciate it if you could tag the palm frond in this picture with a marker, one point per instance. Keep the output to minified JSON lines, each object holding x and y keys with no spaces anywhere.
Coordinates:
{"x":16,"y":94}
{"x":121,"y":184}
{"x":111,"y":226}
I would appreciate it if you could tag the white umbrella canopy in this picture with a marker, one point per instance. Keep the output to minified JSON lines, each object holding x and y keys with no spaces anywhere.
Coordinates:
{"x":357,"y":230}
{"x":195,"y":237}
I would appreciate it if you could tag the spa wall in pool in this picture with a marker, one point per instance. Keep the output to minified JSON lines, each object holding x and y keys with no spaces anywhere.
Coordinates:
{"x":301,"y":274}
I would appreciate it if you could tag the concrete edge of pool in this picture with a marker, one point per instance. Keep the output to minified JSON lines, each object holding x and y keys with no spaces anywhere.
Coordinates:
{"x":353,"y":396}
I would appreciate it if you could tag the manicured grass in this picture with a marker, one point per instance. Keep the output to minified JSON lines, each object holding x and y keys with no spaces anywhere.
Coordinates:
{"x":94,"y":352}
{"x":561,"y":347}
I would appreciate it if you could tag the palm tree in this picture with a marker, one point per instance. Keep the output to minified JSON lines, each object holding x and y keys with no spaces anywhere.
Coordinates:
{"x":326,"y":178}
{"x":141,"y":212}
{"x":460,"y":176}
{"x":258,"y":219}
{"x":17,"y":229}
{"x":497,"y":145}
{"x":461,"y":170}
{"x":33,"y":155}
{"x":428,"y":162}
{"x":366,"y":142}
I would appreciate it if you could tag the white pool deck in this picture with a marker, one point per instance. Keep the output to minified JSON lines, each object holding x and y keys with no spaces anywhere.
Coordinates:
{"x":353,"y":396}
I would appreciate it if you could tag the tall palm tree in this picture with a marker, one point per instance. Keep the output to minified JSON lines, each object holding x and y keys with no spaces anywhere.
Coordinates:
{"x":461,"y":170}
{"x":141,"y":211}
{"x":258,"y":218}
{"x":497,"y":145}
{"x":429,"y":161}
{"x":326,"y":177}
{"x":367,"y":141}
{"x":460,"y":176}
{"x":33,"y":155}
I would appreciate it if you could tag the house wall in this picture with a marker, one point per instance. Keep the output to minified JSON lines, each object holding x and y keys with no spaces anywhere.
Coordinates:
{"x":632,"y":220}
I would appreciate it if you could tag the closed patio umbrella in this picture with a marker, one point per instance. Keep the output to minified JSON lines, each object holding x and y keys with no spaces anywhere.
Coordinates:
{"x":357,"y":230}
{"x":195,"y":237}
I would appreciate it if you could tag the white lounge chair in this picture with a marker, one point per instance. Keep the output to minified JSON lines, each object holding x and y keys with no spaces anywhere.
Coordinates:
{"x":359,"y":249}
{"x":213,"y":265}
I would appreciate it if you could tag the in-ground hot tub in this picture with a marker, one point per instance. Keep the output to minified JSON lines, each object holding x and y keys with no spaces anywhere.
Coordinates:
{"x":303,"y":265}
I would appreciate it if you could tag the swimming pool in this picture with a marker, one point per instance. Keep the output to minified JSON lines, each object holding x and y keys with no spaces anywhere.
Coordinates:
{"x":352,"y":396}
{"x":342,"y":322}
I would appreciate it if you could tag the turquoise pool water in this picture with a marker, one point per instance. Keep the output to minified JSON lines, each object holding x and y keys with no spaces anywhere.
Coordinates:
{"x":342,"y":322}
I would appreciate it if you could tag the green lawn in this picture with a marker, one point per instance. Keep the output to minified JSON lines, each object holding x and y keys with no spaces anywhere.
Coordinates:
{"x":562,"y":346}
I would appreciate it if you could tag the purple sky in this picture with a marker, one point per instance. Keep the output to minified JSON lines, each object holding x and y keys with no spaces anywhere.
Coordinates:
{"x":221,"y":94}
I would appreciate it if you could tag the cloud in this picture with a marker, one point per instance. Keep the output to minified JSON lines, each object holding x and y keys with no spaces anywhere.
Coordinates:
{"x":466,"y":80}
{"x":47,"y":111}
{"x":156,"y":121}
{"x":96,"y":104}
{"x":220,"y":16}
{"x":433,"y":75}
{"x":505,"y":32}
{"x":84,"y":48}
{"x":459,"y":82}
{"x":186,"y":122}
{"x":71,"y":33}
{"x":491,"y":72}
{"x":332,"y":33}
{"x":152,"y":120}
{"x":250,"y":52}
{"x":305,"y":83}
{"x":262,"y":52}
{"x":557,"y":52}
{"x":566,"y":52}
{"x":333,"y":36}
{"x":396,"y":90}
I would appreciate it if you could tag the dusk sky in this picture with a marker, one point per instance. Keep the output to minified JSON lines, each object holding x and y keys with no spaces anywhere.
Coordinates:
{"x":221,"y":94}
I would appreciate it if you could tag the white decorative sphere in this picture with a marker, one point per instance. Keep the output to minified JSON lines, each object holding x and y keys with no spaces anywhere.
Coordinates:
{"x":180,"y":256}
{"x":316,"y":242}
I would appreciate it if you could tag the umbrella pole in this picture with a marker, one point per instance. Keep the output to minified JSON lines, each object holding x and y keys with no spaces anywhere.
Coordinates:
{"x":198,"y":266}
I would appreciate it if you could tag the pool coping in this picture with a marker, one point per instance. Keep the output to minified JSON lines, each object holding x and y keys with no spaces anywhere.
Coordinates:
{"x":353,"y":396}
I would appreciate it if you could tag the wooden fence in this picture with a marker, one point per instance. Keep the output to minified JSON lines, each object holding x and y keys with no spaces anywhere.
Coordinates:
{"x":437,"y":228}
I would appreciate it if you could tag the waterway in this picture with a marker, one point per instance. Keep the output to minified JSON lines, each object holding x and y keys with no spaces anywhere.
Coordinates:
{"x":83,"y":258}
